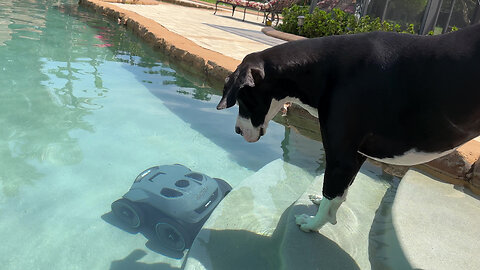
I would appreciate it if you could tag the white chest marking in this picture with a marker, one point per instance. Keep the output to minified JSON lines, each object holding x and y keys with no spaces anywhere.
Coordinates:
{"x":411,"y":157}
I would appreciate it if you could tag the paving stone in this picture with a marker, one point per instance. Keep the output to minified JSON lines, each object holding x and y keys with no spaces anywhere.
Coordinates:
{"x":437,"y":223}
{"x":222,"y":33}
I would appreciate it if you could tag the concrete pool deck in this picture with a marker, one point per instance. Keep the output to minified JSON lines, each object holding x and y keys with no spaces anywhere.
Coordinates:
{"x":220,"y":33}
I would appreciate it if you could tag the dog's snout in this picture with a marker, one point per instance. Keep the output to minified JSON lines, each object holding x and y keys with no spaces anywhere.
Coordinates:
{"x":238,"y":131}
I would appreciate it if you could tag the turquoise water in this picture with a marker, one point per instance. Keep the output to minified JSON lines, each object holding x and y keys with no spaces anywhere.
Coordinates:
{"x":84,"y":107}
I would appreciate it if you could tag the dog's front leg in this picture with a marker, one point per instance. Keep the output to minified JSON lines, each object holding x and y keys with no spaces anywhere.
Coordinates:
{"x":339,"y":175}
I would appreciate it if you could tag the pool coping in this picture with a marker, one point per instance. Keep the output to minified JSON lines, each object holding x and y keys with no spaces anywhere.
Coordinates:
{"x":455,"y":168}
{"x":270,"y":31}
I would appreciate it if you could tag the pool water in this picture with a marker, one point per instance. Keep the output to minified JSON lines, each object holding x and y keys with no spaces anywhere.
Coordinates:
{"x":85,"y":107}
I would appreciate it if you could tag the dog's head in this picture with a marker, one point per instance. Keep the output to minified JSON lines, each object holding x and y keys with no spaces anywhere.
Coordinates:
{"x":248,"y":87}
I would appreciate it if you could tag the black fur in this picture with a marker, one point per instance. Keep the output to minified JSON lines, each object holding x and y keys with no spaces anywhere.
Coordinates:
{"x":378,"y":93}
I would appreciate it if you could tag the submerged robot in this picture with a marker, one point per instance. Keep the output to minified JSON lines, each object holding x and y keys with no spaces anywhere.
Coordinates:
{"x":172,"y":199}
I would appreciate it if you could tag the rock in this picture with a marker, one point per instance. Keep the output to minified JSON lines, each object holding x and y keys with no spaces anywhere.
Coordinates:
{"x":457,"y":164}
{"x":475,"y":174}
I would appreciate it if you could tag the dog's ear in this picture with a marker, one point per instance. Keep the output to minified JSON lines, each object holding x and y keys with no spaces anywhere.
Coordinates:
{"x":253,"y":77}
{"x":222,"y":104}
{"x":229,"y":99}
{"x":250,"y":77}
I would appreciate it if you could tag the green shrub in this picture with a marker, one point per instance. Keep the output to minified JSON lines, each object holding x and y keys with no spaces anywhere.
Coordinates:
{"x":321,"y":23}
{"x":290,"y":19}
{"x":336,"y":22}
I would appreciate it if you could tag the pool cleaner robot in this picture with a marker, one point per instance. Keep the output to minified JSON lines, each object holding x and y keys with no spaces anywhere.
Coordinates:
{"x":172,"y":199}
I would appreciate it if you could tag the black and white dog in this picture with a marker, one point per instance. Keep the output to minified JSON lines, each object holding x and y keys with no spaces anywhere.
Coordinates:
{"x":396,"y":98}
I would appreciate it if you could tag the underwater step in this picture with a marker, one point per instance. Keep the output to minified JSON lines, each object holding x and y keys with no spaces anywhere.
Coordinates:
{"x":244,"y":229}
{"x":254,"y":226}
{"x":437,"y":224}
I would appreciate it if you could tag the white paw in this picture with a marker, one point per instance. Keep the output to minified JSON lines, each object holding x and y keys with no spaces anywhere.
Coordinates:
{"x":316,"y":199}
{"x":306,"y":222}
{"x":327,"y":212}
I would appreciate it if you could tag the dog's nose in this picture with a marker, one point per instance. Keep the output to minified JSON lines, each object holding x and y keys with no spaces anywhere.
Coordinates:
{"x":238,"y":131}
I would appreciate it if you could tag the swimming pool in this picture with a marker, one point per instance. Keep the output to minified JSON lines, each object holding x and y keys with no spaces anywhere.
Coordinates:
{"x":85,"y":107}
